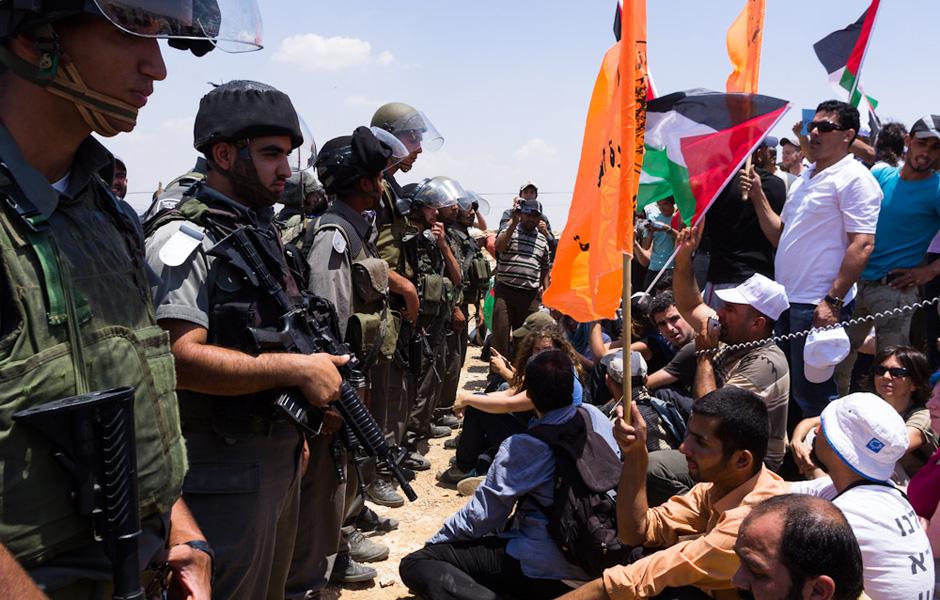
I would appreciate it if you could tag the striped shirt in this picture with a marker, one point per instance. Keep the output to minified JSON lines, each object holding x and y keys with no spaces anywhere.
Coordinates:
{"x":524,"y":261}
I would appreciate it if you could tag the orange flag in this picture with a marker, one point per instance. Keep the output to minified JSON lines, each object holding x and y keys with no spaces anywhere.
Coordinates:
{"x":744,"y":42}
{"x":586,"y":281}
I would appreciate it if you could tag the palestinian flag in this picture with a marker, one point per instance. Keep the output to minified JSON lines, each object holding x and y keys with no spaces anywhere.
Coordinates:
{"x":843,"y":52}
{"x":697,"y":140}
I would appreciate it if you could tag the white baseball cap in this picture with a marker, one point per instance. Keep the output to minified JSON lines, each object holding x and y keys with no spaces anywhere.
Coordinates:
{"x":822,"y":352}
{"x":866,"y":433}
{"x":764,"y":295}
{"x":614,"y":364}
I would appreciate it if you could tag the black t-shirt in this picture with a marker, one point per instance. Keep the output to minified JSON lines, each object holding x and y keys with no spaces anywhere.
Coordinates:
{"x":738,"y":246}
{"x":661,"y":350}
{"x":683,"y":367}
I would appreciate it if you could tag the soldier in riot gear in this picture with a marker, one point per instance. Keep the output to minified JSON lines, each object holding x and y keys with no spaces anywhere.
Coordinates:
{"x":344,"y":268}
{"x":73,"y":259}
{"x":437,"y":277}
{"x":245,"y":457}
{"x":475,"y":272}
{"x":415,"y":131}
{"x":303,"y":198}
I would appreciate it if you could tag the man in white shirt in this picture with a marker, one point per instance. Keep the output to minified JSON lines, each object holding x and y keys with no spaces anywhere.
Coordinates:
{"x":824,"y":237}
{"x":858,"y":442}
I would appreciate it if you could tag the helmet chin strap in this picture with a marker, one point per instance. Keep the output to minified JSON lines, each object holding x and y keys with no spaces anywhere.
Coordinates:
{"x":60,"y":77}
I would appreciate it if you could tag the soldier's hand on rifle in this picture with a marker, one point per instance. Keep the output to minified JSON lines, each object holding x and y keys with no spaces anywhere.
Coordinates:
{"x":320,"y":381}
{"x":190,"y":573}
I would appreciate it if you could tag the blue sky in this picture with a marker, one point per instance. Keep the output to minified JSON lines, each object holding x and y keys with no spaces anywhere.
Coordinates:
{"x":508,"y":83}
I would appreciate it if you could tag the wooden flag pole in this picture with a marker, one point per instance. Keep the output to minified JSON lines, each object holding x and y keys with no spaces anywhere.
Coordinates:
{"x":627,"y":338}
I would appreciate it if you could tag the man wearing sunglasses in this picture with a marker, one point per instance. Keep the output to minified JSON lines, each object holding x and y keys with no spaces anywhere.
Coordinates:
{"x":908,"y":221}
{"x":823,"y":237}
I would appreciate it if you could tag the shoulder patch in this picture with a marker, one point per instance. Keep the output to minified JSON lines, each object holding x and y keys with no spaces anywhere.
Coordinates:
{"x":181,"y":244}
{"x":339,"y":242}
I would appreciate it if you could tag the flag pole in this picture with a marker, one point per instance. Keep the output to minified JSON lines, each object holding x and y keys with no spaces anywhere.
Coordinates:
{"x":626,"y":333}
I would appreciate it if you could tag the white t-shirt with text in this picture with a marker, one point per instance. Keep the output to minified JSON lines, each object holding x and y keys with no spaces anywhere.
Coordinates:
{"x":896,"y":556}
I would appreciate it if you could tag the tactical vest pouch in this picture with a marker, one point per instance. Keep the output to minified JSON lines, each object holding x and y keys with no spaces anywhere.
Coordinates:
{"x":392,"y":330}
{"x":228,"y":323}
{"x":433,"y":293}
{"x":480,"y":272}
{"x":363,"y":331}
{"x":370,"y":280}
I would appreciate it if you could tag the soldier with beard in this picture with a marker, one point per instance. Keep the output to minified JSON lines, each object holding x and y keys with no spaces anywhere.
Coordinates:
{"x":243,"y":484}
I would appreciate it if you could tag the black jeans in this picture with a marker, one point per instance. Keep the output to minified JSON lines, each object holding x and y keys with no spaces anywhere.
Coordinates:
{"x":482,"y":433}
{"x":474,"y":570}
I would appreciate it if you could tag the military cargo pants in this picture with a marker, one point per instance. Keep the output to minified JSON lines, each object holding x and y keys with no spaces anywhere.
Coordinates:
{"x":455,"y":343}
{"x":429,"y":382}
{"x":245,"y":495}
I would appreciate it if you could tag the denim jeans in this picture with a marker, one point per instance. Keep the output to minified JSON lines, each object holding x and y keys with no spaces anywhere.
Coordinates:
{"x":811,"y":398}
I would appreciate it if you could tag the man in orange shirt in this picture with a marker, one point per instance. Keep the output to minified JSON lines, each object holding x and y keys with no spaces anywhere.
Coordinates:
{"x":725,"y":447}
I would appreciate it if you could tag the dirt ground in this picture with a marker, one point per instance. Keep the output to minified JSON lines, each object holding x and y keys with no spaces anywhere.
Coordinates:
{"x":421,"y":519}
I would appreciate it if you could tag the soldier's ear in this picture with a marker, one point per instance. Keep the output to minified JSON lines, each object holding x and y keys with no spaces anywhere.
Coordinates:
{"x":224,"y":155}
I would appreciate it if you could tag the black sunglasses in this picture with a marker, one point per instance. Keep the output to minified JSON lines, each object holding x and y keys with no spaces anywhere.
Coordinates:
{"x":824,"y":126}
{"x":895,"y":371}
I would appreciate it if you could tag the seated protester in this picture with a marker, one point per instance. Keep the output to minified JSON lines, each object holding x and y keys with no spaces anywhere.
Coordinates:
{"x":672,"y":333}
{"x":797,"y":547}
{"x":858,"y":442}
{"x":900,"y":379}
{"x":491,"y":418}
{"x":521,"y":560}
{"x":725,"y":446}
{"x":591,"y":344}
{"x":747,"y":314}
{"x":499,"y":364}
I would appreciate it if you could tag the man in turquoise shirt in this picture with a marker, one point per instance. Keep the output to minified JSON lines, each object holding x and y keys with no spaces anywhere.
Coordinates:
{"x":908,"y":221}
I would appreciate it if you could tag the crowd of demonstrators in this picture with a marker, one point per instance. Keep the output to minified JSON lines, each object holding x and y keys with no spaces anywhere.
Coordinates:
{"x":199,"y":308}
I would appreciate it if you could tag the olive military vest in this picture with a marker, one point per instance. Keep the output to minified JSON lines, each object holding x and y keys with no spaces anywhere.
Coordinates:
{"x":76,"y":316}
{"x":234,"y":305}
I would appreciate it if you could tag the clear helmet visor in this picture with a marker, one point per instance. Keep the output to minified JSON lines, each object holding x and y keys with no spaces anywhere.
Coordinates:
{"x":230,"y":25}
{"x":439,"y":192}
{"x":305,"y":155}
{"x":417,"y":132}
{"x":475,"y":201}
{"x":399,"y":151}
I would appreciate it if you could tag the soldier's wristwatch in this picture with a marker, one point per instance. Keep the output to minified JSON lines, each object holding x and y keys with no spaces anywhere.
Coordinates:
{"x":203,"y":546}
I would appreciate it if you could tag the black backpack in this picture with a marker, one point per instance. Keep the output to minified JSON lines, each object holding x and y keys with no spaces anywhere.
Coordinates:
{"x":583,"y":516}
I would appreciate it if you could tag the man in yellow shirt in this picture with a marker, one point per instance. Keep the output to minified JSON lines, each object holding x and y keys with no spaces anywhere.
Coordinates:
{"x":725,"y":447}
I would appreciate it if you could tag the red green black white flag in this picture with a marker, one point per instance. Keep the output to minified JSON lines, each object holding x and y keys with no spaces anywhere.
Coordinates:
{"x":842,"y":53}
{"x":696,"y":141}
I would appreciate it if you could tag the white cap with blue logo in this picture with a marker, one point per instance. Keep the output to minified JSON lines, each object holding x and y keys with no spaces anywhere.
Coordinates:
{"x":866,"y":433}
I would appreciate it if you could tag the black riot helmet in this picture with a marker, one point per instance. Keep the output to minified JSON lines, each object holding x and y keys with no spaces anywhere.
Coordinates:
{"x":367,"y":152}
{"x":242,"y":109}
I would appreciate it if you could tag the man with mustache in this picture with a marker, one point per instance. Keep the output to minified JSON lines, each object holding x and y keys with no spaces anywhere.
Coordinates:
{"x":908,"y":221}
{"x":797,"y":547}
{"x":244,"y":457}
{"x":823,"y":237}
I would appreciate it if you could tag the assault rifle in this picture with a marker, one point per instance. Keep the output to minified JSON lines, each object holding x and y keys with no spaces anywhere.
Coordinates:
{"x":95,"y":442}
{"x":310,"y":329}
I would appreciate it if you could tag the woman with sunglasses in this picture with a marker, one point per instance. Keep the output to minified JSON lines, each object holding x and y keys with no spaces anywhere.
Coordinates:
{"x":901,"y":378}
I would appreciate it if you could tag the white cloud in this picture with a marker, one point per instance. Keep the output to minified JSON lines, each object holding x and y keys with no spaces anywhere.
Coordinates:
{"x":314,"y":52}
{"x":535,"y":148}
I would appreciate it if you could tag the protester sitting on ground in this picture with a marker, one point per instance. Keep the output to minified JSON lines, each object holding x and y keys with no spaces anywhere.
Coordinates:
{"x":491,"y":418}
{"x":521,"y":560}
{"x":499,"y":364}
{"x":747,"y":315}
{"x":858,"y":441}
{"x":900,"y":378}
{"x":672,"y":332}
{"x":797,"y":547}
{"x":725,"y":446}
{"x":823,"y":237}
